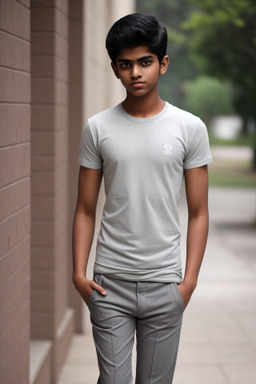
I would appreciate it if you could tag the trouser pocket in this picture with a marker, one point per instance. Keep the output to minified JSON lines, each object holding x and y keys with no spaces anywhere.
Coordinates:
{"x":179,"y":296}
{"x":97,"y":278}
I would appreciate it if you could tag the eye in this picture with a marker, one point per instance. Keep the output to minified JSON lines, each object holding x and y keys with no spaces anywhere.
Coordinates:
{"x":146,"y":63}
{"x":125,"y":65}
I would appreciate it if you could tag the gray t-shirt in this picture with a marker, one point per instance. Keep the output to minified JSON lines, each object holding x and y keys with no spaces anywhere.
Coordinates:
{"x":143,"y":161}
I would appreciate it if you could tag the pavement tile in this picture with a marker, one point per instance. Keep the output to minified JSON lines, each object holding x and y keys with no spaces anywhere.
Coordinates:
{"x":247,"y":323}
{"x":239,"y":374}
{"x":201,"y":374}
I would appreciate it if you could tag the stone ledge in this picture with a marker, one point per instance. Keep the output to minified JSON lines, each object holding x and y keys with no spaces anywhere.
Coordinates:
{"x":40,"y":361}
{"x":62,"y":342}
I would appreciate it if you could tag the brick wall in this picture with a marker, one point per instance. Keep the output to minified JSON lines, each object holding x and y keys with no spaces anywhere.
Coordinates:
{"x":76,"y":69}
{"x":45,"y":52}
{"x":50,"y":316}
{"x":14,"y":190}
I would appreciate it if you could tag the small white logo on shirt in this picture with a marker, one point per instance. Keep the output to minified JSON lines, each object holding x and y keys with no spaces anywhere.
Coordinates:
{"x":167,"y":149}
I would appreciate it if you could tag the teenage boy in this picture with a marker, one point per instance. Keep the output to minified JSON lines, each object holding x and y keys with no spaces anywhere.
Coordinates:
{"x":142,"y":147}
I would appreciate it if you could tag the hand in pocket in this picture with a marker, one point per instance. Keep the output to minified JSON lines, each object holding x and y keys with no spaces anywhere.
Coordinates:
{"x":85,"y":287}
{"x":186,"y":292}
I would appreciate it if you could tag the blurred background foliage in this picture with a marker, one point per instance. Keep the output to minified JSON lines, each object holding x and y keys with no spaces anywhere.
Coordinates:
{"x":207,"y":97}
{"x":212,"y":50}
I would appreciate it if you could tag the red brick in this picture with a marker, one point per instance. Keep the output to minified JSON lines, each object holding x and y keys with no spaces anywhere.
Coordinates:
{"x":20,"y":355}
{"x":61,"y":47}
{"x":62,"y":5}
{"x":61,"y":292}
{"x":9,"y":290}
{"x":15,"y":163}
{"x":12,"y":335}
{"x":61,"y":93}
{"x":26,"y":3}
{"x":43,"y":258}
{"x":43,"y":208}
{"x":43,"y":117}
{"x":12,"y":260}
{"x":14,"y":229}
{"x":61,"y":178}
{"x":42,"y":301}
{"x":61,"y":69}
{"x":43,"y":184}
{"x":61,"y":227}
{"x":42,"y":3}
{"x":42,"y":19}
{"x":15,"y":305}
{"x":61,"y":117}
{"x":60,"y":250}
{"x":76,"y":12}
{"x":47,"y":91}
{"x":42,"y":43}
{"x":14,"y":197}
{"x":43,"y":66}
{"x":61,"y":202}
{"x":43,"y":91}
{"x":15,"y":124}
{"x":14,"y":53}
{"x":15,"y":86}
{"x":76,"y":61}
{"x":43,"y":281}
{"x":15,"y":18}
{"x":43,"y":233}
{"x":43,"y":164}
{"x":22,"y":373}
{"x":49,"y":19}
{"x":62,"y":158}
{"x":42,"y":143}
{"x":42,"y":325}
{"x":61,"y":142}
{"x":23,"y":369}
{"x":61,"y":23}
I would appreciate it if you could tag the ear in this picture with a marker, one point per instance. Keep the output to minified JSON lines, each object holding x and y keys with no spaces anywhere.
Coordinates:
{"x":115,"y":70}
{"x":164,"y":65}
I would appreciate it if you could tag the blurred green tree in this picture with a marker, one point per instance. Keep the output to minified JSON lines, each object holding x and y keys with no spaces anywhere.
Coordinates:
{"x":223,"y":44}
{"x":181,"y":68}
{"x":207,"y":97}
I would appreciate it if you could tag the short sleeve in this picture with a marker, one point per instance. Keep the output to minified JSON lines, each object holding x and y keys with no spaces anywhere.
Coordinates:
{"x":89,"y":155}
{"x":198,"y":152}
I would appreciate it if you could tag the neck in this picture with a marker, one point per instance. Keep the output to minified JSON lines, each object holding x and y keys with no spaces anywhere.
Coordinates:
{"x":143,"y":107}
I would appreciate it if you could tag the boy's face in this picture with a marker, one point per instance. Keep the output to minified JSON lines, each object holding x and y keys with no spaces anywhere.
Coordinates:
{"x":139,"y":70}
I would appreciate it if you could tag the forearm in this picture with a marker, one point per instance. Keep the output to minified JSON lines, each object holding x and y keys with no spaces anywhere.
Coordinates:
{"x":83,"y":231}
{"x":196,"y":242}
{"x":197,"y":199}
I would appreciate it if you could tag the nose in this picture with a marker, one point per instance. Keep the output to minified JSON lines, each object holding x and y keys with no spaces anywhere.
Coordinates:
{"x":135,"y":71}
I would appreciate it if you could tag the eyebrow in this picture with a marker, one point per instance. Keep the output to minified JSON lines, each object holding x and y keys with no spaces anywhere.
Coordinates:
{"x":132,"y":61}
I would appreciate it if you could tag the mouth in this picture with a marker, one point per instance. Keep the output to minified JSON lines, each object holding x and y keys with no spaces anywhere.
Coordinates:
{"x":137,"y":83}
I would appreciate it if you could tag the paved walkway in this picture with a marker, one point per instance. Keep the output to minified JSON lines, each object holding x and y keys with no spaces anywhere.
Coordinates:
{"x":231,"y":153}
{"x":218,"y":343}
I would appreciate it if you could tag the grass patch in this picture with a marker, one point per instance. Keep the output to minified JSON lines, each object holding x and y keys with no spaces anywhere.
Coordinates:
{"x":227,"y":173}
{"x":242,"y":140}
{"x":232,"y":173}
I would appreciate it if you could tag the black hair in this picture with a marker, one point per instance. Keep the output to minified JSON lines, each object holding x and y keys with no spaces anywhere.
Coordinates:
{"x":134,"y":30}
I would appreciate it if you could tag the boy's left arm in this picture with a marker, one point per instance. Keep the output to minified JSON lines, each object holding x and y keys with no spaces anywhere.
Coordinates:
{"x":196,"y":181}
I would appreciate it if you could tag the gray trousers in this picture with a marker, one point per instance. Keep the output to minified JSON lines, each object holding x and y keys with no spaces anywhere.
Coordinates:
{"x":152,"y":311}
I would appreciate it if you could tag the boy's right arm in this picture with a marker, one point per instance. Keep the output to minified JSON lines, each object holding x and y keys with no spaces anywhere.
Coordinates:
{"x":83,"y":229}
